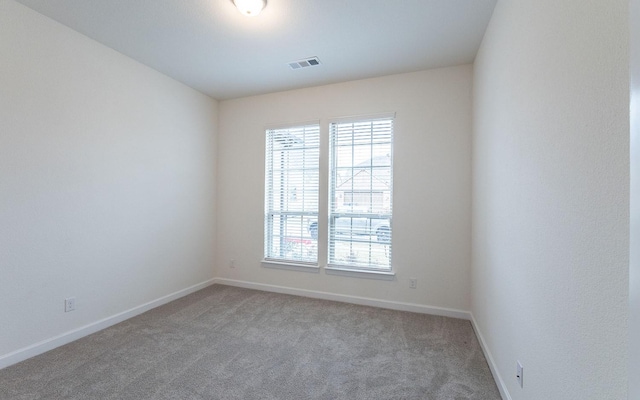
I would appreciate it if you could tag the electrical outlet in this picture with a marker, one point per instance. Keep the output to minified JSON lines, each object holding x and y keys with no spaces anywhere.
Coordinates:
{"x":413,"y":283}
{"x":69,"y":304}
{"x":519,"y":373}
{"x":232,"y":264}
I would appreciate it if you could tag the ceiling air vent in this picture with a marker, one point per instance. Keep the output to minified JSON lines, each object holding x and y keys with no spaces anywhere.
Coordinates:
{"x":308,"y":62}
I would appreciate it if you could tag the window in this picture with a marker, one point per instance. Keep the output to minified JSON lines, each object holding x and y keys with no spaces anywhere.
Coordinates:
{"x":360,"y":194}
{"x":291,"y":193}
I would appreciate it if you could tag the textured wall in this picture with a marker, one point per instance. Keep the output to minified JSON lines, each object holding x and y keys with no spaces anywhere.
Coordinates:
{"x":551,"y":197}
{"x":107,"y":181}
{"x":432,"y":149}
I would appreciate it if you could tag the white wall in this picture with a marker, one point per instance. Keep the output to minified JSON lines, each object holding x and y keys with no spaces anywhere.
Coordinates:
{"x":551,"y":197}
{"x":634,"y":262}
{"x":432,"y":184}
{"x":107,"y":181}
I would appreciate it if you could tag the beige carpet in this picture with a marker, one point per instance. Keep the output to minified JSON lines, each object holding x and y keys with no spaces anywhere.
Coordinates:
{"x":229,"y":343}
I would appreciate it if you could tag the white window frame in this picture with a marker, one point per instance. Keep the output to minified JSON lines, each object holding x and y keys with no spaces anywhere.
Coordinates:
{"x":367,"y":242}
{"x":276,"y":247}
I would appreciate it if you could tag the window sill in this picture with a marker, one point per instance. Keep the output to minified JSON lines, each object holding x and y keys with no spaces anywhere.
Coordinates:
{"x":291,"y":266}
{"x":360,"y":273}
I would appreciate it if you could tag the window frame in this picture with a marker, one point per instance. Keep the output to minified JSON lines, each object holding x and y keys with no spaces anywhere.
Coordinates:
{"x":333,"y":264}
{"x":270,"y":212}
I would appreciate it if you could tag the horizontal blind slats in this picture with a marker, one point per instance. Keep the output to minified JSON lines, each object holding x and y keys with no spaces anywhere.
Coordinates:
{"x":360,"y":194}
{"x":291,"y":191}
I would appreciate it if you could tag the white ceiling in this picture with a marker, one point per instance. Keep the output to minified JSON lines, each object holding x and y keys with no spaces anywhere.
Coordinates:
{"x":210,"y":46}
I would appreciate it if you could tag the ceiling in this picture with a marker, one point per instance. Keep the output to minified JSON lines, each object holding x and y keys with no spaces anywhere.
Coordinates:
{"x":210,"y":46}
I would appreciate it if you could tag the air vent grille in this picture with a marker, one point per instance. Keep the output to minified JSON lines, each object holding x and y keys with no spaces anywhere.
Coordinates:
{"x":307,"y":62}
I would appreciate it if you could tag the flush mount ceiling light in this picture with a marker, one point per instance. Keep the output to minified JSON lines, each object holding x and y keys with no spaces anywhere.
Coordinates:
{"x":250,"y":8}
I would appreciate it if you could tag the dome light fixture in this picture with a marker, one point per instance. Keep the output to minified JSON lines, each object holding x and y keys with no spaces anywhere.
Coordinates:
{"x":250,"y":8}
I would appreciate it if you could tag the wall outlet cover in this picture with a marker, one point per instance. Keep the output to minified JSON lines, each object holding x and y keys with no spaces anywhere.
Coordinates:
{"x":69,"y":304}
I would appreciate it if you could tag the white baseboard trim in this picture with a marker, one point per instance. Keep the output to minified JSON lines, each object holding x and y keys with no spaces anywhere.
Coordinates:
{"x":67,"y":337}
{"x":492,"y":365}
{"x":365,"y":301}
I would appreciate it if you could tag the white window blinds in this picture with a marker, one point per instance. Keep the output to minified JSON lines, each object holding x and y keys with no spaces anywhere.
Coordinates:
{"x":360,"y":206}
{"x":291,"y":193}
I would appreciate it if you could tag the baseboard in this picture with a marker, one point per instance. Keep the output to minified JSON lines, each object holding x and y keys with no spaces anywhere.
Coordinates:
{"x":492,"y":365}
{"x":365,"y":301}
{"x":67,"y":337}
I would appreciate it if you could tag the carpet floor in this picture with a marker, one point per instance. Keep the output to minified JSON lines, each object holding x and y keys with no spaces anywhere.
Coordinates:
{"x":224,"y":342}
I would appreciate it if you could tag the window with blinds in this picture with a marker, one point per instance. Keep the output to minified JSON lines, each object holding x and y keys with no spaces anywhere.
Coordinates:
{"x":291,"y":193}
{"x":360,"y":206}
